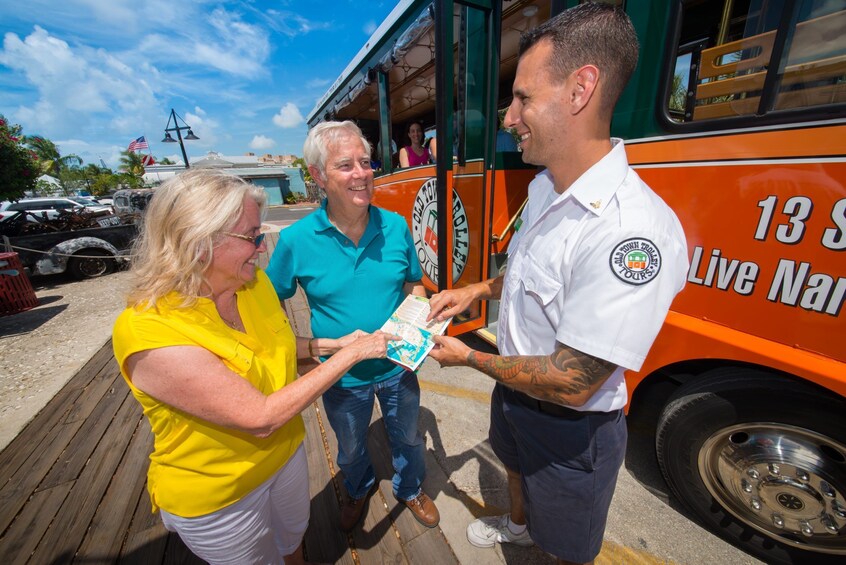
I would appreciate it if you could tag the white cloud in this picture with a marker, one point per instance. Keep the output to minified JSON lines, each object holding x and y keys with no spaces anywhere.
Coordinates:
{"x":261,"y":142}
{"x":204,"y":128}
{"x":102,"y":85}
{"x":291,"y":23}
{"x":288,"y":117}
{"x":224,"y":42}
{"x":318,"y":82}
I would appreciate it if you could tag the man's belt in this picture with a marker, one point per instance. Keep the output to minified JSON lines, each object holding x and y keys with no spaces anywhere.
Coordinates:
{"x":556,"y":409}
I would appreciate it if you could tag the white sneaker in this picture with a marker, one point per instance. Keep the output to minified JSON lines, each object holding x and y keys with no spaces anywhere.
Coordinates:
{"x":490,"y":530}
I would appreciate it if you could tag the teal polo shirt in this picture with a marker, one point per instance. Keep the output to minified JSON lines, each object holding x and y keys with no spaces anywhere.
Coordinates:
{"x":348,"y":287}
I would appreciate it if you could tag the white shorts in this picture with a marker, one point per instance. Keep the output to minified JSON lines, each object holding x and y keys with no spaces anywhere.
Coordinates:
{"x":262,"y":527}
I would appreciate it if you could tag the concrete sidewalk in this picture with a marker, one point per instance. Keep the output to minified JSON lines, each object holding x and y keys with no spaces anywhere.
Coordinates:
{"x":467,"y":481}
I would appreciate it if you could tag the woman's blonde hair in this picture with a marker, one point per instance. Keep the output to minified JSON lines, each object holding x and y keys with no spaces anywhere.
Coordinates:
{"x":181,"y":226}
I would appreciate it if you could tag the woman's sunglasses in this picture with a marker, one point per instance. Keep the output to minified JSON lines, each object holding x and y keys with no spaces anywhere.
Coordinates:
{"x":254,"y":239}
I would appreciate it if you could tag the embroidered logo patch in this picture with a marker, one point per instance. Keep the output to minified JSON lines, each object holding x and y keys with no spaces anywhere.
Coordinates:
{"x":636,"y":261}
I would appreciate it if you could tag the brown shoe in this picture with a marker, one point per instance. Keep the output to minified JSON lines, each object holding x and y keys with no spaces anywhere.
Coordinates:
{"x":424,"y":510}
{"x":353,"y":510}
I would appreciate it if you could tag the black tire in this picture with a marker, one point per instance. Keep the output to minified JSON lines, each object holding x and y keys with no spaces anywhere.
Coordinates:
{"x":91,"y":263}
{"x":745,"y":450}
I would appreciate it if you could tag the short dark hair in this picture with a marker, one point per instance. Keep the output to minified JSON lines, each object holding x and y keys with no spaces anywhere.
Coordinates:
{"x":594,"y":33}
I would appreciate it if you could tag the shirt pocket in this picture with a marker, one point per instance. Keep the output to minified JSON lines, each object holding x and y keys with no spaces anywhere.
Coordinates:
{"x":278,"y":323}
{"x":239,"y":358}
{"x":542,"y":285}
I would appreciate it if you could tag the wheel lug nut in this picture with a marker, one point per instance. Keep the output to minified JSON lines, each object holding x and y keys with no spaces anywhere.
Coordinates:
{"x":827,"y":490}
{"x":838,"y":509}
{"x":753,"y":473}
{"x":829,"y":524}
{"x":801,"y":475}
{"x":756,"y":504}
{"x":806,"y":528}
{"x":778,"y":521}
{"x":745,"y":485}
{"x":774,"y":468}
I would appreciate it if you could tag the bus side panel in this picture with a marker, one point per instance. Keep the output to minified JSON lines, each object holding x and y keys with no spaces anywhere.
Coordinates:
{"x":411,"y":193}
{"x":685,"y":338}
{"x":511,"y":188}
{"x":766,"y":241}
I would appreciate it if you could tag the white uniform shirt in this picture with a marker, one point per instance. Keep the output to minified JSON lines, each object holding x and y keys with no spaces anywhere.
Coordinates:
{"x":594,"y":268}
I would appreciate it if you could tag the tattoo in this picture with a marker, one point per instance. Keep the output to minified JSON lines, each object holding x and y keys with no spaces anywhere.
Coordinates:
{"x":567,"y":377}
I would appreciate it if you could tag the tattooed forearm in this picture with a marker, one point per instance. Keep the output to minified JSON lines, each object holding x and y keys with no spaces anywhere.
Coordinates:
{"x":567,"y":377}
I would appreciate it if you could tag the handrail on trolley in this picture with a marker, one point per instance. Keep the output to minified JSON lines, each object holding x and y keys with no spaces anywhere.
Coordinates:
{"x":495,"y":238}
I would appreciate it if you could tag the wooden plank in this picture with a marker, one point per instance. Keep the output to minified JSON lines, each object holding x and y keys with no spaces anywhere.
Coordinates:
{"x":111,"y":520}
{"x":271,"y":239}
{"x":324,"y":542}
{"x":68,"y":528}
{"x":296,"y":308}
{"x":421,"y":544}
{"x":102,"y":384}
{"x":18,"y":543}
{"x":91,"y":431}
{"x":146,"y":539}
{"x":375,"y":539}
{"x":826,"y":69}
{"x":16,"y":491}
{"x":378,"y":540}
{"x":31,"y":437}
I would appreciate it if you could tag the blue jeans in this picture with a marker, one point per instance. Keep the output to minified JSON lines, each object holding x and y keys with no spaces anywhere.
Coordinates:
{"x":349,"y":411}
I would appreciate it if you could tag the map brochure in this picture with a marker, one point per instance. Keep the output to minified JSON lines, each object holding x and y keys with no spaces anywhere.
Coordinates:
{"x":409,"y":322}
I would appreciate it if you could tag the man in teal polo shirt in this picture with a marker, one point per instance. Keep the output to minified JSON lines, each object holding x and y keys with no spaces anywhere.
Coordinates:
{"x":356,"y":263}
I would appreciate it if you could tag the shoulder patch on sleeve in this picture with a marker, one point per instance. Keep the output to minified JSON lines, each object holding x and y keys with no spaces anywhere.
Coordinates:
{"x":635,"y":260}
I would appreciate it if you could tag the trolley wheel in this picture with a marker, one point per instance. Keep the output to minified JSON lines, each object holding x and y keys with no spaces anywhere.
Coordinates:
{"x":761,"y":461}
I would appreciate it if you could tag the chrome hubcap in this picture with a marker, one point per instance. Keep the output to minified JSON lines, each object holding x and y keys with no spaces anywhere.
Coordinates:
{"x":786,"y":482}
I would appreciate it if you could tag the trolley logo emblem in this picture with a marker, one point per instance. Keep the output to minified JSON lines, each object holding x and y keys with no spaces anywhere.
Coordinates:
{"x":424,"y":231}
{"x":636,"y":261}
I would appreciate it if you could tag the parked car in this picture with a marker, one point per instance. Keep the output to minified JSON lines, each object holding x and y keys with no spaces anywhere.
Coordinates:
{"x":50,"y":207}
{"x":106,"y":199}
{"x":91,"y":203}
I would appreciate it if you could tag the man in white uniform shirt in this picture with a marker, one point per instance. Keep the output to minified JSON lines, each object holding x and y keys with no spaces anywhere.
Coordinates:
{"x":591,"y":274}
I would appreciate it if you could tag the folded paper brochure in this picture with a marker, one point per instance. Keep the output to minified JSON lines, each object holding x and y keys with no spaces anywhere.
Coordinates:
{"x":409,"y":322}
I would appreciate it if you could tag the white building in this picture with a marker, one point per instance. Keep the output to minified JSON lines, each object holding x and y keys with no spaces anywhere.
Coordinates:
{"x":278,"y":181}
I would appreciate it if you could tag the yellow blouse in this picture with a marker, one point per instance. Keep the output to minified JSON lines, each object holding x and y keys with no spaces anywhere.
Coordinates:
{"x":198,"y":467}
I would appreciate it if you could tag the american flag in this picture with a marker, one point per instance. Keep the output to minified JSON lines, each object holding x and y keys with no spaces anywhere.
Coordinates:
{"x":136,"y":144}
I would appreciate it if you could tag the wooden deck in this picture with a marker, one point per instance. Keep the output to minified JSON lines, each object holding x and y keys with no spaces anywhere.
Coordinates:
{"x":73,"y":485}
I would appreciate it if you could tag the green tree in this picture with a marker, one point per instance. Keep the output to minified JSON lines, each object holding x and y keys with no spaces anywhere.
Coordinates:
{"x":131,"y":163}
{"x":165,"y":161}
{"x":51,"y":161}
{"x":18,"y":168}
{"x":300,"y":162}
{"x":678,"y":94}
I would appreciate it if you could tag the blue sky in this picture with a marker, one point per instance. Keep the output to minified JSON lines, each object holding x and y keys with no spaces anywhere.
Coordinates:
{"x":92,"y":75}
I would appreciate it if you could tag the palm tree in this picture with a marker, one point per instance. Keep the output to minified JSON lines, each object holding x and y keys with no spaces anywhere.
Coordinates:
{"x":50,"y":160}
{"x":131,"y":162}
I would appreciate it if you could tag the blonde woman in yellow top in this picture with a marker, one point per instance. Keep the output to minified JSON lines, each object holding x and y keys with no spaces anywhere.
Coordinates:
{"x":208,"y":352}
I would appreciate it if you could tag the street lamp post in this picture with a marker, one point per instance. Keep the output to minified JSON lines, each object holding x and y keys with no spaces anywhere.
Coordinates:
{"x":174,"y":117}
